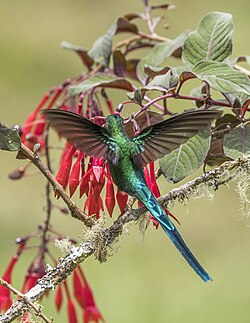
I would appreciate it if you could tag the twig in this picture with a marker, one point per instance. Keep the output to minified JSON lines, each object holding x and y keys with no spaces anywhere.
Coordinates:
{"x":26,"y":300}
{"x":75,"y":211}
{"x":181,"y":97}
{"x":45,"y":227}
{"x":105,"y":237}
{"x":242,"y":69}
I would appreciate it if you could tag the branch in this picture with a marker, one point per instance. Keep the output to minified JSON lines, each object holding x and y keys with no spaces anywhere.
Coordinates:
{"x":27,"y":301}
{"x":75,"y":211}
{"x":100,"y":240}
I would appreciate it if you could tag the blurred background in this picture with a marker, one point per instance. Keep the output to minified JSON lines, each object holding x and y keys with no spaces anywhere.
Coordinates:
{"x":145,"y":280}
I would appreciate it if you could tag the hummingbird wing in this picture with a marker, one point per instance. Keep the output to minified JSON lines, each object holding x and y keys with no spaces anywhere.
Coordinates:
{"x":86,"y":135}
{"x":156,"y":141}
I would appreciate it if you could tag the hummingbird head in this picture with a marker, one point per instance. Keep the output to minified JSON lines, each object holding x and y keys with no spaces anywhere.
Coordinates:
{"x":114,"y":124}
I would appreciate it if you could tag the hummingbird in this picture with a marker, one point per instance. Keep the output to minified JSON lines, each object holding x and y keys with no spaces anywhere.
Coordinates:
{"x":126,"y":157}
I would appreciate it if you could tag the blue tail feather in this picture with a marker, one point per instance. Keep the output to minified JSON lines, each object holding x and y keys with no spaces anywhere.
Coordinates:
{"x":145,"y":196}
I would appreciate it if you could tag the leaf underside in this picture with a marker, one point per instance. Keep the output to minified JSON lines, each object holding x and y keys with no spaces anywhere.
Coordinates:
{"x":187,"y":158}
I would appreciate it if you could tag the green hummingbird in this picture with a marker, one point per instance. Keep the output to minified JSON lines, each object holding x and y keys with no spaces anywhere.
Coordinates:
{"x":127,"y":157}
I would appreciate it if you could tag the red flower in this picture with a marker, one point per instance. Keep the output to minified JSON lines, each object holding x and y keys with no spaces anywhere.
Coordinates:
{"x":122,"y":199}
{"x":30,"y":279}
{"x":110,"y":197}
{"x":71,"y":312}
{"x":5,"y":299}
{"x":75,"y":174}
{"x":66,"y":162}
{"x":70,"y":306}
{"x":91,"y":313}
{"x":85,"y":298}
{"x":59,"y":298}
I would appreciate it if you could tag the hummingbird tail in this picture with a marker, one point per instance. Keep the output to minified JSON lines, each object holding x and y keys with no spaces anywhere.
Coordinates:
{"x":145,"y":196}
{"x":180,"y":244}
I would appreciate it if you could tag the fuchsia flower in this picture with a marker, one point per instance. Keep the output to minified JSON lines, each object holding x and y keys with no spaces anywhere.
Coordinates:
{"x":84,"y":296}
{"x":90,"y":181}
{"x":59,"y":298}
{"x":5,"y":298}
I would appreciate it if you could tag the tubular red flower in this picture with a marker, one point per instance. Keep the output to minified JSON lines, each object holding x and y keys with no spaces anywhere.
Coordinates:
{"x":29,"y":123}
{"x":70,"y":306}
{"x":122,"y":199}
{"x":59,"y":298}
{"x":84,"y":183}
{"x":5,"y":299}
{"x":78,"y":285}
{"x":154,"y":187}
{"x":66,"y":162}
{"x":40,"y":126}
{"x":110,"y":197}
{"x":98,"y":168}
{"x":75,"y":174}
{"x":71,"y":312}
{"x":92,"y":314}
{"x":84,"y":295}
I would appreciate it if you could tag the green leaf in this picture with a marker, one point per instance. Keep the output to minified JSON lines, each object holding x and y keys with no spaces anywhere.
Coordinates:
{"x":82,"y":53}
{"x":102,"y":47}
{"x":212,"y":40}
{"x":101,"y":80}
{"x":158,"y":54}
{"x":237,"y":142}
{"x":160,"y":82}
{"x":222,"y":77}
{"x":187,"y":158}
{"x":138,"y":96}
{"x":9,"y":139}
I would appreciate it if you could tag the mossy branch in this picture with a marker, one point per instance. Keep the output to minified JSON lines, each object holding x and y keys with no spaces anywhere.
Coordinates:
{"x":101,"y":239}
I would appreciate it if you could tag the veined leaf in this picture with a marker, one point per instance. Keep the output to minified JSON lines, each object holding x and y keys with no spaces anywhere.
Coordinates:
{"x":162,"y":82}
{"x":102,"y":47}
{"x":222,"y":77}
{"x":212,"y":40}
{"x":237,"y":142}
{"x":158,"y":54}
{"x":9,"y":139}
{"x":187,"y":158}
{"x":101,"y":80}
